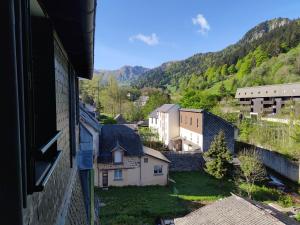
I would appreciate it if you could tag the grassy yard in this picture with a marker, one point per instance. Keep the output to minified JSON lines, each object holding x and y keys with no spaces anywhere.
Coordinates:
{"x":142,"y":205}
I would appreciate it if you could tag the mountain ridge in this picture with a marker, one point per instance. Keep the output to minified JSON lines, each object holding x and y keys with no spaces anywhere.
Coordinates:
{"x":270,"y":34}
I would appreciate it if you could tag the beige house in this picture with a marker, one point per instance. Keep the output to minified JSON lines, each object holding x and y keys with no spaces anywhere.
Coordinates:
{"x":124,"y":161}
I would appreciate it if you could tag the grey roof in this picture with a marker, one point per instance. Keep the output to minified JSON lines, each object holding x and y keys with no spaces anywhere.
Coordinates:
{"x":120,"y":119}
{"x":85,"y":154}
{"x":235,"y":210}
{"x":86,"y":117}
{"x":112,"y":135}
{"x":277,"y":90}
{"x":191,"y":110}
{"x":166,"y":107}
{"x":154,"y":114}
{"x":155,"y":154}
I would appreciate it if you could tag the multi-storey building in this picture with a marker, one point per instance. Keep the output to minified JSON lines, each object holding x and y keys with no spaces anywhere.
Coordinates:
{"x":165,"y":120}
{"x":45,"y":47}
{"x":189,"y":129}
{"x":268,"y":99}
{"x":199,"y":127}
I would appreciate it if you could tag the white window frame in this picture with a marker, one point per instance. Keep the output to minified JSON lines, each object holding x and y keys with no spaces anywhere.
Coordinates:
{"x":118,"y":153}
{"x":158,"y":170}
{"x":118,"y":174}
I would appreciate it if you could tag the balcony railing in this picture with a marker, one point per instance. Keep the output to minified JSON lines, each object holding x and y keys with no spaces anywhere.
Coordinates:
{"x":245,"y":102}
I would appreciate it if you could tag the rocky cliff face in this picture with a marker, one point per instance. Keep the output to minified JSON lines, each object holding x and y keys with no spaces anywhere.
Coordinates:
{"x":125,"y":74}
{"x":263,"y":28}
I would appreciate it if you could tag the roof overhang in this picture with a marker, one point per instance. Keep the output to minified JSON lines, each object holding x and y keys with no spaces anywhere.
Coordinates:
{"x":74,"y":22}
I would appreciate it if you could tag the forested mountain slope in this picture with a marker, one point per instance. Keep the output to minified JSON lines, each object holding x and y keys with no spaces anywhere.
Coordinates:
{"x":204,"y":70}
{"x":124,"y":75}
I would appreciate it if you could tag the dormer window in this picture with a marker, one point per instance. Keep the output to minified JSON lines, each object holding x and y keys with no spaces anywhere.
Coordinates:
{"x":118,"y":156}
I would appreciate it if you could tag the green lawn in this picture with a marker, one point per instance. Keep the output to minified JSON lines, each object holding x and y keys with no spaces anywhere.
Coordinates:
{"x":142,"y":205}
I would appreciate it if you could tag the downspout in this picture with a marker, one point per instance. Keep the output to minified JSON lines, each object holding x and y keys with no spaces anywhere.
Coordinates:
{"x":11,"y":187}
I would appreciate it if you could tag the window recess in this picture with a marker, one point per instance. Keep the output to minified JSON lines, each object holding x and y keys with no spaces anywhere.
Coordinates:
{"x":43,"y":154}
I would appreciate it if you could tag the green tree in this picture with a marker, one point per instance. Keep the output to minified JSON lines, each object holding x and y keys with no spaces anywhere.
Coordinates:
{"x":218,"y":164}
{"x":252,"y":169}
{"x":155,"y":100}
{"x":231,"y":69}
{"x":260,"y":56}
{"x":224,"y":70}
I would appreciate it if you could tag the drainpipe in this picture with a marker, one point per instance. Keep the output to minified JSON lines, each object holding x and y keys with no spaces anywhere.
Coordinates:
{"x":11,"y":183}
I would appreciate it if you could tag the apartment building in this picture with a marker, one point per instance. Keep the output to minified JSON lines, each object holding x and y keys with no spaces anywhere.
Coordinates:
{"x":189,"y":129}
{"x":198,"y":129}
{"x":268,"y":99}
{"x":46,"y":46}
{"x":165,"y":121}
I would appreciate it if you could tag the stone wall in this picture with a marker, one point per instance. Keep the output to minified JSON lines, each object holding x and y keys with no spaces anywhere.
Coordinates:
{"x":275,"y":161}
{"x":185,"y":161}
{"x":47,"y":207}
{"x":212,"y":125}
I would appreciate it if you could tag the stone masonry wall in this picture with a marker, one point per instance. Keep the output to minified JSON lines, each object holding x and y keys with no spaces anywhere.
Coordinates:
{"x":185,"y":161}
{"x":76,"y":212}
{"x":212,"y":125}
{"x":44,"y":208}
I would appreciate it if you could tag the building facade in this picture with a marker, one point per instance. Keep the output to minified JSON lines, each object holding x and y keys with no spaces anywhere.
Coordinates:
{"x":268,"y":99}
{"x":165,"y":121}
{"x":199,"y":127}
{"x":42,"y":60}
{"x":189,"y":129}
{"x":123,"y":161}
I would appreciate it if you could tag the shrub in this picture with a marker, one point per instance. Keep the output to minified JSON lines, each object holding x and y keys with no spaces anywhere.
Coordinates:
{"x":285,"y":201}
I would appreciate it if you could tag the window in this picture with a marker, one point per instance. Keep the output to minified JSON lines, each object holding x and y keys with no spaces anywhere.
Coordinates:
{"x":118,"y":175}
{"x":158,"y":170}
{"x":43,"y":154}
{"x":191,"y":121}
{"x":145,"y":160}
{"x":185,"y":119}
{"x":118,"y":157}
{"x":197,"y":122}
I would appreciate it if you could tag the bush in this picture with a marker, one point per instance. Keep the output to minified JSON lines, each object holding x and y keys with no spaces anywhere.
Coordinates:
{"x":297,"y":217}
{"x":285,"y":201}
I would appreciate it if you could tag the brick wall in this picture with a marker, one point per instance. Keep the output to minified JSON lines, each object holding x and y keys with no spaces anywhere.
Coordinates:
{"x":47,"y":207}
{"x":212,"y":125}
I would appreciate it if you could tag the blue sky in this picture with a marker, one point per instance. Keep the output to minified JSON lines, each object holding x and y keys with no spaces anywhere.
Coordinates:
{"x":151,"y":32}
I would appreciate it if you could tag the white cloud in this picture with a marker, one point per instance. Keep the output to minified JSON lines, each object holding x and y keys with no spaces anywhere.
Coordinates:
{"x":149,"y":40}
{"x":202,"y":22}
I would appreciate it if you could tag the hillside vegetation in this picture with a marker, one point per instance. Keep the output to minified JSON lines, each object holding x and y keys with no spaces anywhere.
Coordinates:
{"x":258,"y":58}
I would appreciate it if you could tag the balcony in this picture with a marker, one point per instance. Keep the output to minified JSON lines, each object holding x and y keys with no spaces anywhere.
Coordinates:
{"x":245,"y":102}
{"x":268,"y":102}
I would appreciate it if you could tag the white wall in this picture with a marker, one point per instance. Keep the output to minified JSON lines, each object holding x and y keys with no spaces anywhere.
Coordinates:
{"x":194,"y":137}
{"x":153,"y":123}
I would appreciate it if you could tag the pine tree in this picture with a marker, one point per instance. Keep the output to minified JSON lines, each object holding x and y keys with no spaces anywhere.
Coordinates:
{"x":219,"y":156}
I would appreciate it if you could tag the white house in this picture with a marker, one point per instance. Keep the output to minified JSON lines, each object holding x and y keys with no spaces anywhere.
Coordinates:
{"x":165,"y":120}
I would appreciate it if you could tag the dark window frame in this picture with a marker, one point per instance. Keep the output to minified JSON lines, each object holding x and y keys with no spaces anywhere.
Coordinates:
{"x":42,"y":154}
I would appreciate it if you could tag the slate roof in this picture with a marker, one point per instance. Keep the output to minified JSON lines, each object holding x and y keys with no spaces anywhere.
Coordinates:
{"x":191,"y":110}
{"x":85,"y":155}
{"x":236,"y":210}
{"x":154,"y":114}
{"x":111,"y":135}
{"x":155,"y":154}
{"x":277,"y":90}
{"x":86,"y":117}
{"x":120,"y":119}
{"x":166,"y":107}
